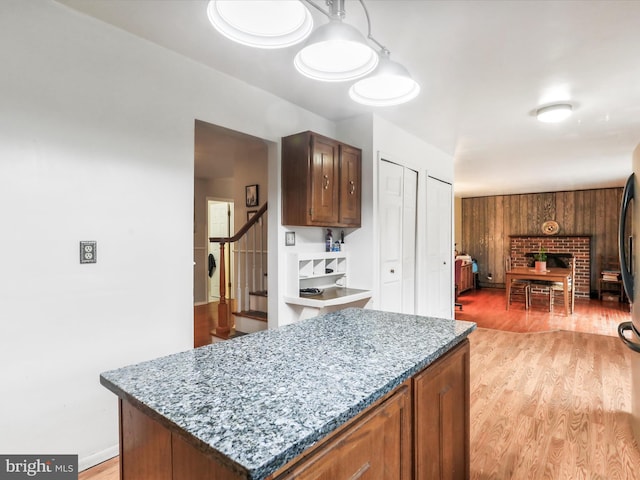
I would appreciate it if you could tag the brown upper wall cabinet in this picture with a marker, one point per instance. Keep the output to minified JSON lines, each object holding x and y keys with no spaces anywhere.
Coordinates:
{"x":321,"y":181}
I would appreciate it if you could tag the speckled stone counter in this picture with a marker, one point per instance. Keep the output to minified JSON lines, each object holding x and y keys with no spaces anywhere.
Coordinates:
{"x":262,"y":399}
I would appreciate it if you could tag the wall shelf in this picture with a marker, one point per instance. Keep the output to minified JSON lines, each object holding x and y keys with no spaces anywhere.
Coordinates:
{"x":309,"y":270}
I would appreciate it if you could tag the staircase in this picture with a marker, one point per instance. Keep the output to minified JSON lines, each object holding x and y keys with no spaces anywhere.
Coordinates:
{"x":250,"y":265}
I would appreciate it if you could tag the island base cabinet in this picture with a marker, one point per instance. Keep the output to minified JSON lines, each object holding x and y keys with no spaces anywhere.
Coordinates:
{"x":377,"y":446}
{"x":418,"y":431}
{"x":150,"y":451}
{"x":441,"y":418}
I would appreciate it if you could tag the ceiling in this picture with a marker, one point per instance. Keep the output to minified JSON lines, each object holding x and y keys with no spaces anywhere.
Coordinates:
{"x":483,"y":65}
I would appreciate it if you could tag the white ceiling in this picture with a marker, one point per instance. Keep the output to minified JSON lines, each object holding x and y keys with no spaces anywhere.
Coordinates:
{"x":483,"y":65}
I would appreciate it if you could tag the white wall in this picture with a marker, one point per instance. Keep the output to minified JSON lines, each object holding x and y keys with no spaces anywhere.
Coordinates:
{"x":398,"y":146}
{"x":96,"y":143}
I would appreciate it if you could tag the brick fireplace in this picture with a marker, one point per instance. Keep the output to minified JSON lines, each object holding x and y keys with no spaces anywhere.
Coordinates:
{"x":578,"y":245}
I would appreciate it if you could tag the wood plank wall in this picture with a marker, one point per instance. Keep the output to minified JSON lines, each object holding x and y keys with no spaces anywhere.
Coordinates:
{"x":487,"y":223}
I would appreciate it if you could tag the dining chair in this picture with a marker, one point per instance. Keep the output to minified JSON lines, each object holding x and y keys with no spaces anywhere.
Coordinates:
{"x":519,"y":288}
{"x":555,"y":287}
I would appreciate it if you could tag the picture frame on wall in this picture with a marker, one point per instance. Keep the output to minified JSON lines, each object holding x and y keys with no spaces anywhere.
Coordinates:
{"x":251,"y":194}
{"x":250,"y":214}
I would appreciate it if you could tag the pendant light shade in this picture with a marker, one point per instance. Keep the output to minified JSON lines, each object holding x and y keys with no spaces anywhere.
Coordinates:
{"x":261,"y":23}
{"x":336,"y":52}
{"x":554,"y":113}
{"x":390,"y":84}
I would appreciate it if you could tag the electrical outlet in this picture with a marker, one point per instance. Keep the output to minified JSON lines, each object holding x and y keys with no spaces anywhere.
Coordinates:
{"x":88,"y":252}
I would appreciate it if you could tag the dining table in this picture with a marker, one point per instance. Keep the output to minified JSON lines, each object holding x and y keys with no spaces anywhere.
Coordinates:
{"x":552,"y":275}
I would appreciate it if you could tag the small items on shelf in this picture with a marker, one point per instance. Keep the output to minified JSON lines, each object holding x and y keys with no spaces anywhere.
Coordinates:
{"x":611,"y":275}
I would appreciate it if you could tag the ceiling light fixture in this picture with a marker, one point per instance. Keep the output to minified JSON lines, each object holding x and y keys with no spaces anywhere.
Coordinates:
{"x":336,"y":51}
{"x":259,"y":23}
{"x":554,"y":113}
{"x":389,"y":84}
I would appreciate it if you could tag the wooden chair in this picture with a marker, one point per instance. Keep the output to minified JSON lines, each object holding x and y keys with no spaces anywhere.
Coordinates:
{"x":555,"y":287}
{"x":610,"y":266}
{"x":519,"y":288}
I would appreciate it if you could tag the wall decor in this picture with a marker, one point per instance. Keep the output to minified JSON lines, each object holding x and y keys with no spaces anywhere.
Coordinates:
{"x":250,"y":214}
{"x":550,"y":227}
{"x":251,"y":194}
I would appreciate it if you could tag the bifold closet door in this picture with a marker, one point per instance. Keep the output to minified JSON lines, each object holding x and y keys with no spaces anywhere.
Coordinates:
{"x":397,"y":197}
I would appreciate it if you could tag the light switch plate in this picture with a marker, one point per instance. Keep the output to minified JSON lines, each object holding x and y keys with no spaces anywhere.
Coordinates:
{"x":88,"y":251}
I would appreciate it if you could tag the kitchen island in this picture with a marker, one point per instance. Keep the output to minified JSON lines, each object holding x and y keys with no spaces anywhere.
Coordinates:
{"x":351,"y":394}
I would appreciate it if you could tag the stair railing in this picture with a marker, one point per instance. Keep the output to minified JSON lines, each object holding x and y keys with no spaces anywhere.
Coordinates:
{"x":257,"y":267}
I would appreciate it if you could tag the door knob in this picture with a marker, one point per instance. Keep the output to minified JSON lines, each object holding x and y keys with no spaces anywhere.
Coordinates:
{"x":392,"y":270}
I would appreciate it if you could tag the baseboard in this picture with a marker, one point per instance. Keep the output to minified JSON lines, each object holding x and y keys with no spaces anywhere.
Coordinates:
{"x":97,"y":458}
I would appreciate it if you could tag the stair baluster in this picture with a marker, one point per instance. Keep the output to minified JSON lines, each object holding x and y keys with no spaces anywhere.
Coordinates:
{"x":222,"y":328}
{"x":262,"y":256}
{"x":246,"y":269}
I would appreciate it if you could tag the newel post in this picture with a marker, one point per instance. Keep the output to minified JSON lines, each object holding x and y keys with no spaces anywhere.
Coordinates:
{"x":222,"y":327}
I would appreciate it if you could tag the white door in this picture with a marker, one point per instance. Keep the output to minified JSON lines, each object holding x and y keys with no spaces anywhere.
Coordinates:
{"x":397,"y":196}
{"x":439,"y":248}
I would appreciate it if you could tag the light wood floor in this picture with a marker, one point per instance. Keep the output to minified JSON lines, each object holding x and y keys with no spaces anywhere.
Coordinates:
{"x":551,"y":403}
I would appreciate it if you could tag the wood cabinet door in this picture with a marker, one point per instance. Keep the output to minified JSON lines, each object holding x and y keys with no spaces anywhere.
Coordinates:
{"x":324,"y":182}
{"x":466,"y":278}
{"x":441,"y":418}
{"x":350,"y":184}
{"x":375,"y":447}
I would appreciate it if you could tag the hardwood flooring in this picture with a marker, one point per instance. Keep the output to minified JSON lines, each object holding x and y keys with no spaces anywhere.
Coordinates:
{"x":550,"y":394}
{"x":204,"y":320}
{"x":487,"y":307}
{"x":109,"y":470}
{"x":551,"y":405}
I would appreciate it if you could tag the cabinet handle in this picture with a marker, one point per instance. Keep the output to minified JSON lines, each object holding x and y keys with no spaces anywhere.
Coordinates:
{"x":392,"y":270}
{"x":326,"y":182}
{"x":352,"y":187}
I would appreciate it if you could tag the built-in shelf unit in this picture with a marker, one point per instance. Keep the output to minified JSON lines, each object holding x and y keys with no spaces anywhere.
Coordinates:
{"x":327,"y":271}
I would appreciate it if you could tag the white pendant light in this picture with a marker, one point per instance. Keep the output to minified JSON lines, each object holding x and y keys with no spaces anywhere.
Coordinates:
{"x":336,"y":52}
{"x":261,"y":23}
{"x":554,"y":113}
{"x":390,"y":84}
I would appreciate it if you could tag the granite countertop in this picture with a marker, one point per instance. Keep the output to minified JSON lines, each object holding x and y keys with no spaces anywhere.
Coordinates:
{"x":260,"y":400}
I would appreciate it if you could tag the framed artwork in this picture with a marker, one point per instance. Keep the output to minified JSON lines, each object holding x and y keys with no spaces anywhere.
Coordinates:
{"x":251,"y":194}
{"x":290,"y":238}
{"x":250,"y":214}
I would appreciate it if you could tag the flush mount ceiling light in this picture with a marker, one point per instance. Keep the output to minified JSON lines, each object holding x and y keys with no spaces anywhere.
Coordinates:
{"x":390,"y":84}
{"x":554,"y":113}
{"x":261,"y":23}
{"x":337,"y":51}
